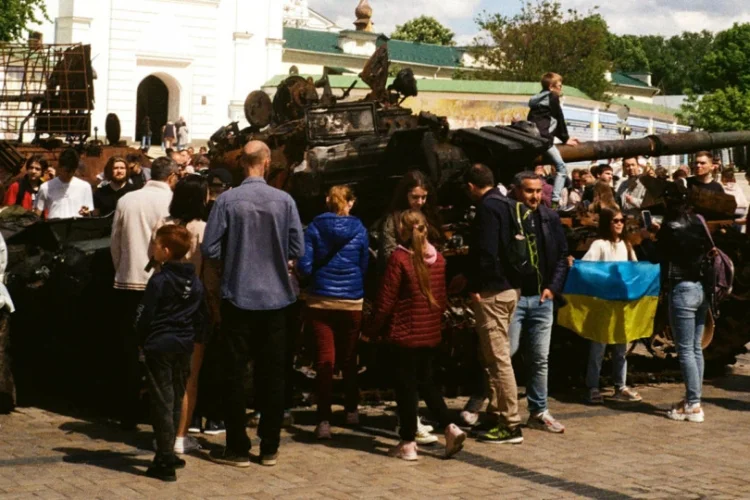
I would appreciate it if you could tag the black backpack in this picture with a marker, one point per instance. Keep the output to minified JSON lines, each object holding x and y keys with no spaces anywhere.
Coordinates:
{"x":518,"y":251}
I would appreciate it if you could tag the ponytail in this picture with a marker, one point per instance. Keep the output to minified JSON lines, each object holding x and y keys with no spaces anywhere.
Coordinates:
{"x":413,"y":234}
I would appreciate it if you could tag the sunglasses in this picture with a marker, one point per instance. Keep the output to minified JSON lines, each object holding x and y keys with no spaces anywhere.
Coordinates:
{"x":618,"y":221}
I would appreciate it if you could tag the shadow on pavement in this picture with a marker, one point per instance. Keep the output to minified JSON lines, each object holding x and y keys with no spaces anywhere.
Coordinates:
{"x":728,"y":404}
{"x":736,"y":383}
{"x":120,"y":462}
{"x":111,"y":432}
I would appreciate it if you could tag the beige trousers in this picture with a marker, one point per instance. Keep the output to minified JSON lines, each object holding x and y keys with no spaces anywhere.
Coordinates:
{"x":493,"y":313}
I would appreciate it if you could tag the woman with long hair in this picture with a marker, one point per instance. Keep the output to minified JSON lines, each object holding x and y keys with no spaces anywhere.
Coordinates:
{"x":604,"y":197}
{"x":186,"y":209}
{"x":411,"y":300}
{"x":683,"y":243}
{"x":23,"y":192}
{"x":611,"y":246}
{"x":413,"y":192}
{"x":336,"y":258}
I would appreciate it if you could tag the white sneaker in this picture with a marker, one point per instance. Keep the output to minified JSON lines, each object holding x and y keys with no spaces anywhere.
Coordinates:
{"x":454,"y":440}
{"x":682,"y":411}
{"x":470,"y":418}
{"x":187,"y":444}
{"x":423,"y":437}
{"x":546,"y":422}
{"x":405,"y":451}
{"x":422,"y":427}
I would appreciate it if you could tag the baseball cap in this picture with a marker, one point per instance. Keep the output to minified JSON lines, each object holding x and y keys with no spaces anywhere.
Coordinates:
{"x":219,"y":176}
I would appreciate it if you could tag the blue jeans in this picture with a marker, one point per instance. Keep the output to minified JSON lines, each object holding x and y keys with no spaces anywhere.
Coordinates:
{"x":562,"y":172}
{"x":536,"y":320}
{"x":688,"y":306}
{"x":146,"y":141}
{"x":619,"y":364}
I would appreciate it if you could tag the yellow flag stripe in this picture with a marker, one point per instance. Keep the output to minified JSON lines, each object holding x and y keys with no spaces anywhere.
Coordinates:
{"x":609,"y":321}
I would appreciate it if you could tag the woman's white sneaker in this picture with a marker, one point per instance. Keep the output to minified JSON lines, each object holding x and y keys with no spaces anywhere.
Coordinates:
{"x":683,"y":411}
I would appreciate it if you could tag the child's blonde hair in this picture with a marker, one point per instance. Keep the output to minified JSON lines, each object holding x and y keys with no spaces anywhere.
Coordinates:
{"x":549,"y":79}
{"x":413,"y":235}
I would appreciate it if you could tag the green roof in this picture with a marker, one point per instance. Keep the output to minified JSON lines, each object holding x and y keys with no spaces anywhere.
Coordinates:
{"x":400,"y":52}
{"x":644,"y":106}
{"x":446,"y":86}
{"x":625,"y":79}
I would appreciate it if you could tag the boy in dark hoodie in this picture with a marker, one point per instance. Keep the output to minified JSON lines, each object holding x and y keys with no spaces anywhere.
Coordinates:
{"x":170,"y":318}
{"x":545,"y":111}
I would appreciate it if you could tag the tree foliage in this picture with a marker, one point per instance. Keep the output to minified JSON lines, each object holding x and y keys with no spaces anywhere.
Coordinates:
{"x":542,"y":38}
{"x":721,"y":111}
{"x":16,"y":15}
{"x":676,"y":63}
{"x":424,"y":29}
{"x":728,"y":63}
{"x":627,"y":54}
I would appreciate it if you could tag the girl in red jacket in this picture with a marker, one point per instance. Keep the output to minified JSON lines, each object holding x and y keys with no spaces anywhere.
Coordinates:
{"x":412,"y":299}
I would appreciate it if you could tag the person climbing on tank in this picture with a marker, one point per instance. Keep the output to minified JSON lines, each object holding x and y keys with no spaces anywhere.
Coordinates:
{"x":547,"y":114}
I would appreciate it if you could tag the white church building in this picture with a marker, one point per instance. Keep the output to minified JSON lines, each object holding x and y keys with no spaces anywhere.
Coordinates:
{"x":170,"y":58}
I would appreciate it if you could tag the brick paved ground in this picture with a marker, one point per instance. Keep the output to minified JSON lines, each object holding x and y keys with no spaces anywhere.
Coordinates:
{"x":607,"y":452}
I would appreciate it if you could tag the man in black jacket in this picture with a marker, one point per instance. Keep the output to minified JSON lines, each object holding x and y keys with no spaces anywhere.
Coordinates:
{"x":534,"y":313}
{"x":546,"y":112}
{"x":494,"y":290}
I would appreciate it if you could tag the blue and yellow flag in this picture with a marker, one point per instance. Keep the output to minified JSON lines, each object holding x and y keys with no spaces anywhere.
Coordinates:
{"x":611,"y":302}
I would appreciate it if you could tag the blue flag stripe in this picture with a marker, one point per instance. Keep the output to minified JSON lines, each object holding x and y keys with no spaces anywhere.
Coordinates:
{"x":624,"y":281}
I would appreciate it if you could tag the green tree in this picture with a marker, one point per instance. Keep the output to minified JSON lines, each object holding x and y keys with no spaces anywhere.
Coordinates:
{"x":17,"y":15}
{"x":542,"y":38}
{"x":627,"y":54}
{"x":721,"y":111}
{"x":728,"y":63}
{"x":424,"y":29}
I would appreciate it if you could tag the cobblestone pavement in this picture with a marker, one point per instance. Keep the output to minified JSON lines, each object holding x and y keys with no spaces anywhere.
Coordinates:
{"x":607,"y":451}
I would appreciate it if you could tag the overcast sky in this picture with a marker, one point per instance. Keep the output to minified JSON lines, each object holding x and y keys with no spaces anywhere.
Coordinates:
{"x":665,"y":17}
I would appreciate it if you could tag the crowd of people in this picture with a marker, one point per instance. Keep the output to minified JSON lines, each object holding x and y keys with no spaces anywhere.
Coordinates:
{"x":212,"y":274}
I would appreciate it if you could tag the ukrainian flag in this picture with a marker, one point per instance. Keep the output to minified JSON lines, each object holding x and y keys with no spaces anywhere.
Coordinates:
{"x":611,"y":302}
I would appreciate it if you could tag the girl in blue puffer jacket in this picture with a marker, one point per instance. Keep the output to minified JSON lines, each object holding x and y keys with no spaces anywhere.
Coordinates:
{"x":336,"y":258}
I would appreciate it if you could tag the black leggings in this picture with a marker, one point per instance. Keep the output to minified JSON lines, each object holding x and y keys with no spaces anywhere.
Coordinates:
{"x":414,"y":379}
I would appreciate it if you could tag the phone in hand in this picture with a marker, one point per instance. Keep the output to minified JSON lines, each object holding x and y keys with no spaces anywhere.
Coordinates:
{"x":647,"y":219}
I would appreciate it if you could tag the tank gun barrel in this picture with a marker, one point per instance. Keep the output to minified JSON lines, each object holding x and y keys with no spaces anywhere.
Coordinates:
{"x":653,"y":145}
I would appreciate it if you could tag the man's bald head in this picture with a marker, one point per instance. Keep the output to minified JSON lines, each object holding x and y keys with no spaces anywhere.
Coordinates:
{"x":255,"y":154}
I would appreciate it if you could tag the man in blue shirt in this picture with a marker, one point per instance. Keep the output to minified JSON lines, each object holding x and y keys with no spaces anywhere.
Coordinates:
{"x":256,"y":230}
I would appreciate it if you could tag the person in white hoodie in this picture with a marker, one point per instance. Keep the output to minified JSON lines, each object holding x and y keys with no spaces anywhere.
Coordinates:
{"x":135,"y":217}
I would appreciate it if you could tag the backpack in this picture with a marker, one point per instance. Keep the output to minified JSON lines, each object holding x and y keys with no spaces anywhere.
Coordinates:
{"x":518,"y":252}
{"x":718,"y":273}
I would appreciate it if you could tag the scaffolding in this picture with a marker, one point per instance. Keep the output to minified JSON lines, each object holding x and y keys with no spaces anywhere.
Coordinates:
{"x":46,"y":90}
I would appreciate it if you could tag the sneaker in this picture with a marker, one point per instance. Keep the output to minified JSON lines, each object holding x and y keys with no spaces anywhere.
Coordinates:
{"x":352,"y":417}
{"x":594,"y":397}
{"x":545,"y":422}
{"x":423,"y":438}
{"x":470,"y":418}
{"x":195,"y":425}
{"x":269,"y":460}
{"x":323,"y":430}
{"x":288,"y":419}
{"x":454,"y":440}
{"x":162,"y":471}
{"x":503,"y":435}
{"x":626,"y":395}
{"x":225,"y":457}
{"x":186,"y":444}
{"x":214,"y":428}
{"x":683,"y":411}
{"x":405,"y":451}
{"x":423,"y":427}
{"x":254,"y":420}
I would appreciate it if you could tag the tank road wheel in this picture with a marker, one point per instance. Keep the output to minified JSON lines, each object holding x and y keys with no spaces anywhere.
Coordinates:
{"x":113,"y":129}
{"x":661,"y":344}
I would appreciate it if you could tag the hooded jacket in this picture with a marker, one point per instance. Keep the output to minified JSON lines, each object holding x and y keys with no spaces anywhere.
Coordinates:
{"x":412,"y":321}
{"x":336,"y":256}
{"x":172,"y":314}
{"x":545,"y":111}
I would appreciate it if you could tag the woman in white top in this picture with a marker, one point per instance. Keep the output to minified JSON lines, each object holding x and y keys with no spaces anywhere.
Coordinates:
{"x":610,"y":247}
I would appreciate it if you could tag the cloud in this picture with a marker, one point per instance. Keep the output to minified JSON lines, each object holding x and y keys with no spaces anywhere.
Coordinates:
{"x":666,"y":17}
{"x":388,"y":13}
